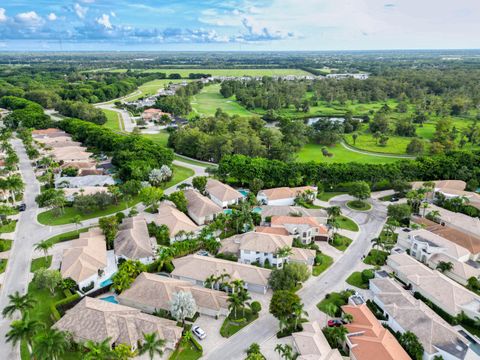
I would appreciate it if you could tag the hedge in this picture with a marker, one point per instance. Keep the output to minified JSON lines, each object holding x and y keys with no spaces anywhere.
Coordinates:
{"x":197,"y":345}
{"x":54,"y":307}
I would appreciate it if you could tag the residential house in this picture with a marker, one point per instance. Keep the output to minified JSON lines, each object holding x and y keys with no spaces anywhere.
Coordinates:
{"x":432,"y":249}
{"x":84,"y":181}
{"x":50,"y":132}
{"x":150,"y":292}
{"x":98,"y":320}
{"x":311,"y":344}
{"x":467,"y":240}
{"x":284,"y":195}
{"x":304,"y":256}
{"x":442,"y":184}
{"x":267,"y":211}
{"x":458,"y":221}
{"x":197,"y":269}
{"x":86,"y":259}
{"x":70,"y":154}
{"x":221,"y":194}
{"x":179,"y":225}
{"x":71,"y":193}
{"x":306,"y":228}
{"x":447,"y":294}
{"x":153,"y":114}
{"x":133,"y":242}
{"x":256,"y":247}
{"x":200,"y":208}
{"x":405,"y":313}
{"x":453,"y":189}
{"x":367,"y":339}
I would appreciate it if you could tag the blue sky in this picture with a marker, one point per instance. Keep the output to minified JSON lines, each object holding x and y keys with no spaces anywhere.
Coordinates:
{"x":239,"y":24}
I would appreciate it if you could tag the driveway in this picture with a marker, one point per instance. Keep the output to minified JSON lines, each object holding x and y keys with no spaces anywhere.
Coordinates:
{"x":315,"y":289}
{"x":212,"y":328}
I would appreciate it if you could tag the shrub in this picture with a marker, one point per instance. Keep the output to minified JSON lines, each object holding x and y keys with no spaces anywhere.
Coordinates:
{"x":88,"y":287}
{"x":367,"y":274}
{"x":256,"y":307}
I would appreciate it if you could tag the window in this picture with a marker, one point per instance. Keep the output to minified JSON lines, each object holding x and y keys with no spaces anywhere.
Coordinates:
{"x":246,"y":252}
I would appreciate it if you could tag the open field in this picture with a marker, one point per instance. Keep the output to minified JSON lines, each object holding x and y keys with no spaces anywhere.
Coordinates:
{"x":313,"y":152}
{"x":113,"y":120}
{"x":210,"y":99}
{"x":184,"y":72}
{"x":161,"y":138}
{"x":151,"y":88}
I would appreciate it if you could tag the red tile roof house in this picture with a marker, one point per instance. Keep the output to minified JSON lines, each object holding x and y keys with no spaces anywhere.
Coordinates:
{"x":307,"y":228}
{"x":153,"y":114}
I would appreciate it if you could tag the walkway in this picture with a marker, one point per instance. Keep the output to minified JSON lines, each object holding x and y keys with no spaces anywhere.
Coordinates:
{"x":315,"y":288}
{"x":365,"y":152}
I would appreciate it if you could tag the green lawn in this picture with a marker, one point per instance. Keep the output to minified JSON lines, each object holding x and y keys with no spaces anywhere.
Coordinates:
{"x":376,"y":257}
{"x":67,"y":236}
{"x":193,"y":162}
{"x":186,"y":352}
{"x":326,"y":262}
{"x":210,"y":99}
{"x":151,"y":88}
{"x":229,"y":329}
{"x":3,"y":265}
{"x":355,"y":279}
{"x":313,"y":152}
{"x":10,"y":227}
{"x":113,"y":120}
{"x":326,"y":196}
{"x":341,"y":242}
{"x":41,"y":263}
{"x":337,"y":299}
{"x":5,"y":245}
{"x":359,"y":205}
{"x":347,"y":223}
{"x":161,"y":138}
{"x":48,"y":218}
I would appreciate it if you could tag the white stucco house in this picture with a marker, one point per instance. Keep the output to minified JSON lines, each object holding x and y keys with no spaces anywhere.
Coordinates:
{"x":284,"y":196}
{"x":221,"y":194}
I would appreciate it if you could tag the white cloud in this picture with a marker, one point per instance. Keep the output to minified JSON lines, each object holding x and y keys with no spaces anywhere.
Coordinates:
{"x":52,"y":16}
{"x":30,"y":18}
{"x":105,"y":21}
{"x":113,"y":14}
{"x":87,"y":1}
{"x":80,"y":10}
{"x":3,"y":17}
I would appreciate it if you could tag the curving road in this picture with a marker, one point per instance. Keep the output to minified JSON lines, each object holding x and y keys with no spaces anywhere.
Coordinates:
{"x":365,"y":152}
{"x":315,"y":289}
{"x":29,"y":232}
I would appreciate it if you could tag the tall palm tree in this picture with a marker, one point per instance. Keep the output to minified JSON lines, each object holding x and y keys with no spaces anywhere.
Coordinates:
{"x":444,"y":266}
{"x":152,"y":345}
{"x":97,"y":350}
{"x":425,"y":205}
{"x":348,"y":317}
{"x":378,"y":243}
{"x":285,"y":351}
{"x":298,"y":312}
{"x":331,"y":309}
{"x":333,"y":211}
{"x":18,"y":302}
{"x":339,"y":334}
{"x":23,"y":329}
{"x":434,"y":214}
{"x":284,"y":252}
{"x":50,"y":344}
{"x":45,"y":246}
{"x":234,"y":303}
{"x":15,"y":185}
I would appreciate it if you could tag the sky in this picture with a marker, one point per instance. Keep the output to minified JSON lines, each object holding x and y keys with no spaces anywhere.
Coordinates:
{"x":238,"y":25}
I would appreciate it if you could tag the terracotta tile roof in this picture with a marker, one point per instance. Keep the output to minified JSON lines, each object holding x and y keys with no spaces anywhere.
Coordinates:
{"x":46,"y":131}
{"x":174,"y":219}
{"x":222,"y":191}
{"x":132,"y":239}
{"x":85,"y":257}
{"x":200,"y":205}
{"x":201,"y":267}
{"x":371,"y":340}
{"x":156,"y":291}
{"x":296,"y":220}
{"x":96,"y":320}
{"x":272,"y":230}
{"x":285,"y":192}
{"x":255,"y":241}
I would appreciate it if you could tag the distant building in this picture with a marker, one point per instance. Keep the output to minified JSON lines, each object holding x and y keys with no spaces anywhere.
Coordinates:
{"x":153,"y":114}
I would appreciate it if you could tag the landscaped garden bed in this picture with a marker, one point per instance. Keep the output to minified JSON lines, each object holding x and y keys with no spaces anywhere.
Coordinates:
{"x":359,"y":205}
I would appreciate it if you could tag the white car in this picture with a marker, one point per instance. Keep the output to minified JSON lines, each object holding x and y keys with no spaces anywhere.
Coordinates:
{"x":198,"y":331}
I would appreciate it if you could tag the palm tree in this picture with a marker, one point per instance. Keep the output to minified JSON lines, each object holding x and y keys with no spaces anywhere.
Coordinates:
{"x":18,"y":302}
{"x":348,"y":317}
{"x":285,"y":351}
{"x":378,"y":243}
{"x":210,"y":281}
{"x":425,"y":206}
{"x":50,"y":344}
{"x":334,"y":211}
{"x":434,"y":214}
{"x":23,"y":330}
{"x":77,"y":220}
{"x":284,"y":252}
{"x":298,"y":312}
{"x":235,"y":302}
{"x":339,"y":334}
{"x":331,"y":309}
{"x":97,"y":350}
{"x":44,"y":246}
{"x":152,"y":345}
{"x":16,"y":185}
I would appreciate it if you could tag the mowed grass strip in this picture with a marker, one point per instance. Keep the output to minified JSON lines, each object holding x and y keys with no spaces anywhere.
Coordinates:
{"x":113,"y":120}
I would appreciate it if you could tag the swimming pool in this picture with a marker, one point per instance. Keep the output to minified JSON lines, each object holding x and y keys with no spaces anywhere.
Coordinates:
{"x":228,"y":211}
{"x":112,"y":299}
{"x":257,"y":210}
{"x":106,"y":282}
{"x":243,"y":192}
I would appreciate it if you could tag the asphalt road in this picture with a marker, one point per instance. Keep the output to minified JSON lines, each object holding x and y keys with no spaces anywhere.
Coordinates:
{"x":370,"y":223}
{"x":29,"y":232}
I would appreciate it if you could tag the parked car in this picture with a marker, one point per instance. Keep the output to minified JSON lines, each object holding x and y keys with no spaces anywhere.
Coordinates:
{"x":198,"y":331}
{"x":202,"y":253}
{"x":335,"y":322}
{"x":22,"y":207}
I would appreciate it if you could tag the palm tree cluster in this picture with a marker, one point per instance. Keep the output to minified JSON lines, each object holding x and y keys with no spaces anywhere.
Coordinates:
{"x":11,"y":157}
{"x":239,"y":298}
{"x":12,"y":184}
{"x":334,"y":214}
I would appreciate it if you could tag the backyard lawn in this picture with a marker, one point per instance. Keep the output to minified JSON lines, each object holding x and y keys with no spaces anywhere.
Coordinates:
{"x":41,"y":263}
{"x":209,"y":100}
{"x":324,"y":265}
{"x":113,"y":120}
{"x":48,"y":218}
{"x":313,"y":152}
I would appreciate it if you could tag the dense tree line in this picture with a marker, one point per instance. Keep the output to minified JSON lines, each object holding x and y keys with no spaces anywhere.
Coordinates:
{"x":179,"y":104}
{"x":212,"y":138}
{"x":80,"y":110}
{"x":25,"y":113}
{"x":244,"y":170}
{"x":134,"y":156}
